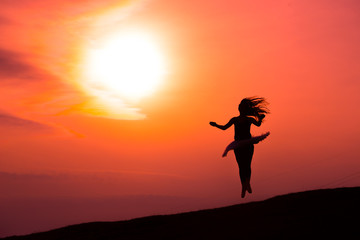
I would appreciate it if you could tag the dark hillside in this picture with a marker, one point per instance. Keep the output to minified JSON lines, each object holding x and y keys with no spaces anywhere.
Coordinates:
{"x":318,"y":214}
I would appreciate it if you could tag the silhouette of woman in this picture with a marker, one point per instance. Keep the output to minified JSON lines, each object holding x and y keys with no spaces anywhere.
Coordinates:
{"x":252,"y":111}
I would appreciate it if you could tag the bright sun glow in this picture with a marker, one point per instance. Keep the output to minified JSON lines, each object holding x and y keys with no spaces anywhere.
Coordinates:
{"x":128,"y":65}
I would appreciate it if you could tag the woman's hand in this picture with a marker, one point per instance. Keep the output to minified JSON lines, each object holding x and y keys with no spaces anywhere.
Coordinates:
{"x":214,"y":124}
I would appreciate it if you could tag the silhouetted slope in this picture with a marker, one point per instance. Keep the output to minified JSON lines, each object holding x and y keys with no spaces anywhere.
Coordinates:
{"x":318,"y":214}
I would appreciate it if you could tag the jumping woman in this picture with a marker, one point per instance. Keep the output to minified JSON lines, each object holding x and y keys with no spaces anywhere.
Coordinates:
{"x":252,"y":111}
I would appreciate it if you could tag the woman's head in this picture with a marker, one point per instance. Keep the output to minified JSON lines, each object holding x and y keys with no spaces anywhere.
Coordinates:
{"x":253,"y":106}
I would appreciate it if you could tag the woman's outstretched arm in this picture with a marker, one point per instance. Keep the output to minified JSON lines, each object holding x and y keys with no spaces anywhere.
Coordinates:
{"x":223,"y":127}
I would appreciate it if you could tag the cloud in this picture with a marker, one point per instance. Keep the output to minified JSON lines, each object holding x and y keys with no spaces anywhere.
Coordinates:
{"x":14,"y":66}
{"x":41,"y":50}
{"x":8,"y":120}
{"x":76,"y":183}
{"x":16,"y":125}
{"x":4,"y":20}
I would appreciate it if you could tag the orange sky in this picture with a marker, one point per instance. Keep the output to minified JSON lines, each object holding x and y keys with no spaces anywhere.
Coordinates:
{"x":303,"y":56}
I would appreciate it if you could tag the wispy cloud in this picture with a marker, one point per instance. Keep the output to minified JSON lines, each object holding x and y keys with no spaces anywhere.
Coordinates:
{"x":4,"y":20}
{"x":110,"y":175}
{"x":15,"y":125}
{"x":13,"y":66}
{"x":76,"y":182}
{"x":40,"y":46}
{"x":18,"y":122}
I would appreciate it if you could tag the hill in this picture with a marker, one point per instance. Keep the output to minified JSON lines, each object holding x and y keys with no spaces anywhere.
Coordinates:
{"x":327,"y":213}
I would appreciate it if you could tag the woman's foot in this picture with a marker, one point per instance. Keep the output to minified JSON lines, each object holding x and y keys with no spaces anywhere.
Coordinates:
{"x":243,"y":191}
{"x":248,"y":187}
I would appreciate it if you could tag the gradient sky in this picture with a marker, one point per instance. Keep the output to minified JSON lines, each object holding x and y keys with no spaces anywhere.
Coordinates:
{"x":65,"y":160}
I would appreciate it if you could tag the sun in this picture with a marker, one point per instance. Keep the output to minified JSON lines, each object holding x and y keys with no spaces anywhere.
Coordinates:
{"x":127,"y":64}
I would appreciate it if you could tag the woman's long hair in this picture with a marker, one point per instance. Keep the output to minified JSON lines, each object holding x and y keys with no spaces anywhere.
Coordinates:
{"x":253,"y":106}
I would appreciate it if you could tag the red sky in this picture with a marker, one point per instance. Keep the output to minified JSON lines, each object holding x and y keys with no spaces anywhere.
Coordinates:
{"x":60,"y":163}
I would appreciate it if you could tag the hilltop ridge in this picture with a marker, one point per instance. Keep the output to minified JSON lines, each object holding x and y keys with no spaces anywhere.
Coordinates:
{"x":312,"y":214}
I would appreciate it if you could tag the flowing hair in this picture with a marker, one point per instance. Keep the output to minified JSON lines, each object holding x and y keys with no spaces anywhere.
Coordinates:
{"x":253,"y":106}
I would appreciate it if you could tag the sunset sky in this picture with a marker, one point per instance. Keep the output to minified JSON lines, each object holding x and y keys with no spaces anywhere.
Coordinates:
{"x":75,"y":147}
